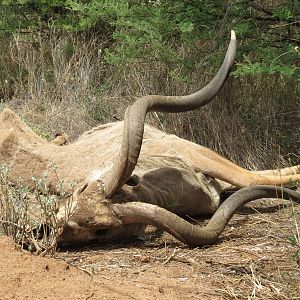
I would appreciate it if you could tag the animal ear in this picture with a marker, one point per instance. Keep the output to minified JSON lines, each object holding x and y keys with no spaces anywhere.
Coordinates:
{"x":60,"y":139}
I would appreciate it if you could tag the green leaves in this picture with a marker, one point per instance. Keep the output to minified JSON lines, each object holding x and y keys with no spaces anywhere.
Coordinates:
{"x":186,"y":27}
{"x":177,"y":33}
{"x":283,"y":14}
{"x":244,"y":29}
{"x":282,"y":63}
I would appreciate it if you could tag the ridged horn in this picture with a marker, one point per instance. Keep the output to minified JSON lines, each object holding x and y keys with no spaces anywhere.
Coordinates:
{"x":195,"y":235}
{"x":136,"y":113}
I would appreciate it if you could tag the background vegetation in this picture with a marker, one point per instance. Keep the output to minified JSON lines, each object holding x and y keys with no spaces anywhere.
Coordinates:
{"x":68,"y":65}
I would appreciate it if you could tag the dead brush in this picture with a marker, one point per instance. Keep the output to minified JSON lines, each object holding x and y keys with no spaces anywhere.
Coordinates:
{"x":30,"y":216}
{"x":55,"y":80}
{"x":294,"y":237}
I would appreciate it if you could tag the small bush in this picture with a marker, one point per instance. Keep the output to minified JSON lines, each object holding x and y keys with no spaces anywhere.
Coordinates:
{"x":30,"y":217}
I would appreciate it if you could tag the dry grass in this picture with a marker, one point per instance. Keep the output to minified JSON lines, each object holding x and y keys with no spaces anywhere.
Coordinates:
{"x":53,"y":89}
{"x":60,"y":83}
{"x":249,"y":122}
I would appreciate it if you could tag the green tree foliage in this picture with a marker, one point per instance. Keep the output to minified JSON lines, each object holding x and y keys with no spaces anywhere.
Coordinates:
{"x":269,"y":32}
{"x":28,"y":15}
{"x":177,"y":33}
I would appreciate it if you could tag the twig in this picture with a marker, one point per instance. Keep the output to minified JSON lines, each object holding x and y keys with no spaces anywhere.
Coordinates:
{"x":86,"y":271}
{"x":170,"y":257}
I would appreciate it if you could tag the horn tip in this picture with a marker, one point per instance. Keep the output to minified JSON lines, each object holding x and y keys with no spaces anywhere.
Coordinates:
{"x":233,"y":36}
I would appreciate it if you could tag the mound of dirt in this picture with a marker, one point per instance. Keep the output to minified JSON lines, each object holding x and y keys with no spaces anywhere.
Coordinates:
{"x":24,"y":276}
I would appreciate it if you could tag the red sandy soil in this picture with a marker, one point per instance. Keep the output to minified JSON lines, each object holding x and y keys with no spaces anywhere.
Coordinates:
{"x":252,"y":260}
{"x":24,"y":276}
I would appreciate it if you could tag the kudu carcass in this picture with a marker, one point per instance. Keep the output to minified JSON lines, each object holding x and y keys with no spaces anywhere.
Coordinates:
{"x":128,"y":173}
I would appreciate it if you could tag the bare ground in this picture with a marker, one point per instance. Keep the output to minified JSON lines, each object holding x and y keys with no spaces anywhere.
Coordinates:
{"x":253,"y":259}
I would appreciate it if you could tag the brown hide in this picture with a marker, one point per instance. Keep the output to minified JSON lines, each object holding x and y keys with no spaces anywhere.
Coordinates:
{"x":165,"y":179}
{"x":169,"y":170}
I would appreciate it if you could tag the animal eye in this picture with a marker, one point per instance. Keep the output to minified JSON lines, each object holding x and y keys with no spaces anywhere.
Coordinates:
{"x":133,"y":180}
{"x":100,"y":232}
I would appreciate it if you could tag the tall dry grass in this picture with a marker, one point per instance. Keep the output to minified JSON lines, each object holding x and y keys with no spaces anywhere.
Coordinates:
{"x":254,"y":121}
{"x":51,"y":81}
{"x":60,"y":83}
